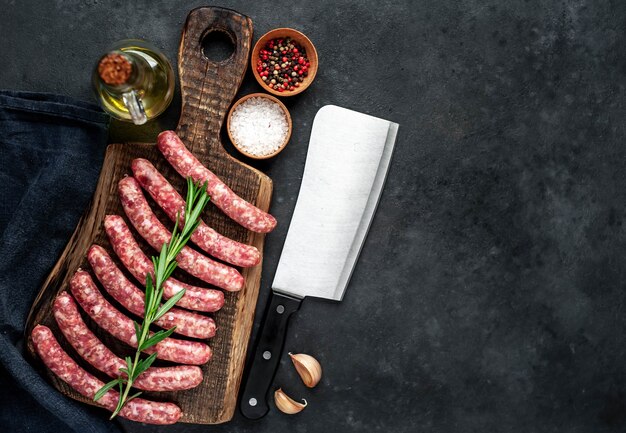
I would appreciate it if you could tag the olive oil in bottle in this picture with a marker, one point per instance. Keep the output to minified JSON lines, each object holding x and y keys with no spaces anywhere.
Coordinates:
{"x":134,"y":81}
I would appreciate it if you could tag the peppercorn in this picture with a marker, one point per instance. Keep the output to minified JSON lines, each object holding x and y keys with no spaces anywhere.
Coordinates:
{"x":286,"y":60}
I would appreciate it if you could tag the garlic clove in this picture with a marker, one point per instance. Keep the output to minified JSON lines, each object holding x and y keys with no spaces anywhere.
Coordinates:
{"x":286,"y":404}
{"x":308,"y":368}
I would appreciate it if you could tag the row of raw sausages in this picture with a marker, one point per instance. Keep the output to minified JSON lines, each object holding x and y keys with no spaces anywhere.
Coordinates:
{"x":85,"y":292}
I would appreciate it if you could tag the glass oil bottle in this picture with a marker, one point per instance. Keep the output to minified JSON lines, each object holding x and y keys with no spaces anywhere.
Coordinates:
{"x":134,"y":81}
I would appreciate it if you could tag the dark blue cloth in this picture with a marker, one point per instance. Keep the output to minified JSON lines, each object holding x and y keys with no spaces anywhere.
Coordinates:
{"x":51,"y":151}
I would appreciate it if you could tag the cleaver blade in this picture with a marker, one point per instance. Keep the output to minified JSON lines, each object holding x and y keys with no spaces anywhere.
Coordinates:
{"x":345,"y":170}
{"x":346,"y":166}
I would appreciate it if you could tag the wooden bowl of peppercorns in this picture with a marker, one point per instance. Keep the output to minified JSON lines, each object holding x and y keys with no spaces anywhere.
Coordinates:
{"x":284,"y":62}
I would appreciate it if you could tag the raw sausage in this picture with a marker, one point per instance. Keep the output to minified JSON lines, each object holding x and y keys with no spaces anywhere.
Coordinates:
{"x":126,"y":293}
{"x":97,"y":354}
{"x":187,"y":165}
{"x":57,"y":360}
{"x":121,"y":327}
{"x":150,"y":228}
{"x":205,"y":237}
{"x":111,"y":320}
{"x":138,"y":264}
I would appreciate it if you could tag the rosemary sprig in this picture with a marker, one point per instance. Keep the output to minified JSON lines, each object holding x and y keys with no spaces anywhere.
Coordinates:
{"x":164,"y":265}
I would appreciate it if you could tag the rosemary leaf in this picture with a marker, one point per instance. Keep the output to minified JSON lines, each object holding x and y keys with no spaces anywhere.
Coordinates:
{"x":149,"y":294}
{"x":144,"y":364}
{"x":168,"y":305}
{"x":106,"y":389}
{"x":176,"y":224}
{"x":155,"y":263}
{"x":137,"y":329}
{"x":190,"y":192}
{"x":170,"y":269}
{"x":135,"y":395}
{"x":120,"y":403}
{"x":162,"y":259}
{"x":156,"y":338}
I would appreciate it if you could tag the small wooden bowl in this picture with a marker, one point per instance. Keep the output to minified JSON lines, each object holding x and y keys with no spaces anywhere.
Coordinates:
{"x":301,"y":39}
{"x":271,"y":98}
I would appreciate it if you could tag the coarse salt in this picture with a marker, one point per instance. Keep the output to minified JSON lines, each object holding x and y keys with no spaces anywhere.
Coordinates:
{"x":259,"y":126}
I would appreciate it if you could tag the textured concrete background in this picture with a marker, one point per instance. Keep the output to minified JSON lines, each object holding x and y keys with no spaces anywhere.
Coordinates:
{"x":490,"y":293}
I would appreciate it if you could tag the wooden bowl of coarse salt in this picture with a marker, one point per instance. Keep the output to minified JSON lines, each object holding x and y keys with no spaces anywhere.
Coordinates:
{"x":259,"y":126}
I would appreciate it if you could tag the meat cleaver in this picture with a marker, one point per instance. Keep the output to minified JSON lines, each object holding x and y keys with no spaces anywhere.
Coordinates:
{"x":346,"y":166}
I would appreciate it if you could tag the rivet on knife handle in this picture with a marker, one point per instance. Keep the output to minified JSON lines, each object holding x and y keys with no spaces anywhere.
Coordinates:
{"x":266,"y":355}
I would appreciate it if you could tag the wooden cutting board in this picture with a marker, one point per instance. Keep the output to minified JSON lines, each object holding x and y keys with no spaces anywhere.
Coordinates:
{"x":208,"y":89}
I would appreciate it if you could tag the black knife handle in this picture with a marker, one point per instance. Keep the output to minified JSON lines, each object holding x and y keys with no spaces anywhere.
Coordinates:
{"x":266,"y":354}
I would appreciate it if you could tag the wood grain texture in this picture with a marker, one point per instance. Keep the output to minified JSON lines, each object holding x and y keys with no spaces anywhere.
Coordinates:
{"x":208,"y":89}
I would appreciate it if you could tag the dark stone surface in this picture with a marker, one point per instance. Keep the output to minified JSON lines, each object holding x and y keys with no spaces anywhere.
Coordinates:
{"x":490,"y":293}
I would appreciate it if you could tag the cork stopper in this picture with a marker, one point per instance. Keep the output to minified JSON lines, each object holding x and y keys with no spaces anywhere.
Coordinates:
{"x":115,"y":69}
